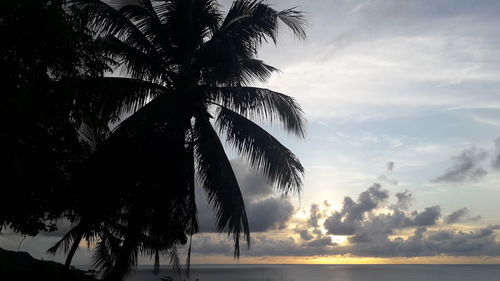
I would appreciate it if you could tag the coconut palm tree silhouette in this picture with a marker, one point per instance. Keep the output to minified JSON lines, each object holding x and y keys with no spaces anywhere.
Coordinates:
{"x":187,"y":74}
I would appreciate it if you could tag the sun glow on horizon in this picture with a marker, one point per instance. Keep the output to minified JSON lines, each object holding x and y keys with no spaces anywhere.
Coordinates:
{"x":340,"y":260}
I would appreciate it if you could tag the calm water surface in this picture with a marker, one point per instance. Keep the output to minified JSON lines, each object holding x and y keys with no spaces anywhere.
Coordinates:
{"x":333,"y":273}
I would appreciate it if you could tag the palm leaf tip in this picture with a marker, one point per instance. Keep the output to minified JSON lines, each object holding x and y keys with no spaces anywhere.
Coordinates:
{"x":295,"y":20}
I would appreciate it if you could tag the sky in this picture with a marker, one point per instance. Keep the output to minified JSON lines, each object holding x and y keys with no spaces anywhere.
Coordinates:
{"x":402,"y":152}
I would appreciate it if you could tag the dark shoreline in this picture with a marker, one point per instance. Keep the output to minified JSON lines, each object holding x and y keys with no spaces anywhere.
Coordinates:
{"x":22,"y":266}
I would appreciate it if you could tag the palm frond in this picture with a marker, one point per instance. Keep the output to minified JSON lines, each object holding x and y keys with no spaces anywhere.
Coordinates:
{"x":232,"y":71}
{"x":88,"y":135}
{"x":147,"y":21}
{"x":208,"y":13}
{"x":66,"y":241}
{"x":255,"y":69}
{"x":115,"y":96}
{"x":127,"y":256}
{"x":255,"y":21}
{"x":265,"y":153}
{"x":229,"y":56}
{"x":106,"y":251}
{"x":175,"y":262}
{"x":135,"y":62}
{"x":218,"y":179}
{"x":105,"y":18}
{"x":294,"y":19}
{"x":262,"y":105}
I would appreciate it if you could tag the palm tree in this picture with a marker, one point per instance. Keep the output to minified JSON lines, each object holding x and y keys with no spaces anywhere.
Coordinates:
{"x":186,"y":80}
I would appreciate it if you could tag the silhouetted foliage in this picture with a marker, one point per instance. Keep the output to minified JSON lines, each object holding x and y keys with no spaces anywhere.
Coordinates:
{"x":41,"y":47}
{"x":185,"y":75}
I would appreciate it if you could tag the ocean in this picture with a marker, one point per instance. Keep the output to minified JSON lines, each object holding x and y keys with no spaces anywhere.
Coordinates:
{"x":331,"y":273}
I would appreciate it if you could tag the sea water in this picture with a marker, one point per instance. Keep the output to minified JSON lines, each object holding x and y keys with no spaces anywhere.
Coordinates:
{"x":330,"y":273}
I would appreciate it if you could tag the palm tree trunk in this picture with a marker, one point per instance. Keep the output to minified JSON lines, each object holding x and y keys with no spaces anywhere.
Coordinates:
{"x":73,"y":249}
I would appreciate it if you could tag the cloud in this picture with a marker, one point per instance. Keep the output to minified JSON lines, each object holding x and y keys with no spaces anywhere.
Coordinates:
{"x":405,"y":199}
{"x":411,"y":56}
{"x":265,"y":210}
{"x":264,"y":215}
{"x":311,"y":231}
{"x":315,"y":216}
{"x":385,"y":179}
{"x":428,"y":217}
{"x":364,"y":222}
{"x":367,"y":201}
{"x":444,"y":242}
{"x":422,"y":243}
{"x":254,"y":186}
{"x":380,"y":227}
{"x":390,"y":166}
{"x":269,"y":214}
{"x":337,"y":226}
{"x":466,"y":167}
{"x":305,"y":234}
{"x":346,"y":221}
{"x":321,"y":242}
{"x":456,"y":215}
{"x":373,"y":228}
{"x":496,"y":155}
{"x":460,"y":215}
{"x":481,"y":242}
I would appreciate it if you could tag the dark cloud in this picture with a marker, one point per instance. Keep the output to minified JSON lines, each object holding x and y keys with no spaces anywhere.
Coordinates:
{"x":496,"y":156}
{"x":466,"y":167}
{"x":477,"y":243}
{"x":373,"y":230}
{"x":367,"y":201}
{"x":390,"y":166}
{"x":481,"y":242}
{"x":269,"y":214}
{"x":380,"y":227}
{"x":452,"y":243}
{"x":319,"y":243}
{"x":360,"y":238}
{"x":428,"y":217}
{"x":460,"y":215}
{"x":335,"y":225}
{"x":405,"y":199}
{"x":253,"y":185}
{"x":418,"y":234}
{"x":265,"y":210}
{"x":305,"y":234}
{"x":345,"y":222}
{"x":206,"y":215}
{"x":366,"y":220}
{"x":457,"y":215}
{"x":316,"y":213}
{"x":315,"y":216}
